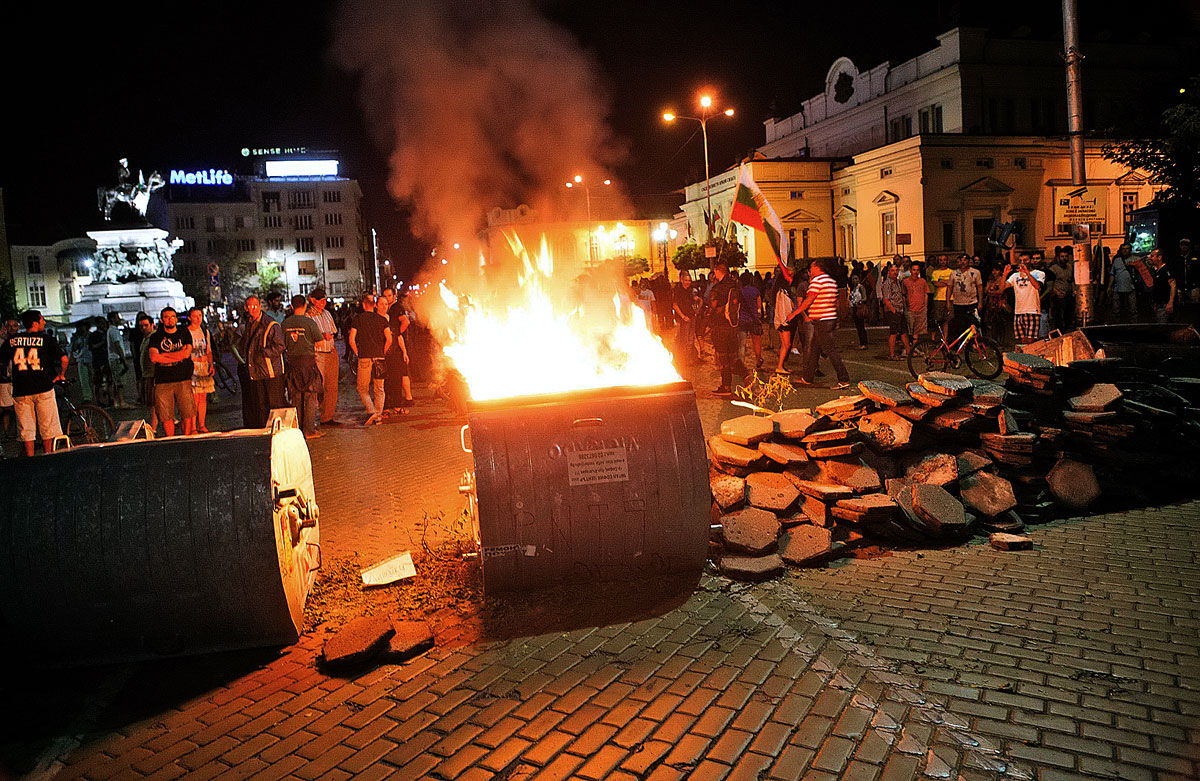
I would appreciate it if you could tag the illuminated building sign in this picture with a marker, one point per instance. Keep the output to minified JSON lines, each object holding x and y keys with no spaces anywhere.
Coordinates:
{"x":211,"y":176}
{"x":263,"y":151}
{"x":281,"y":168}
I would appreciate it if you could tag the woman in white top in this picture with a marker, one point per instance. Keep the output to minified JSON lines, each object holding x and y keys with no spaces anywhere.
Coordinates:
{"x":203,"y":382}
{"x":784,"y":306}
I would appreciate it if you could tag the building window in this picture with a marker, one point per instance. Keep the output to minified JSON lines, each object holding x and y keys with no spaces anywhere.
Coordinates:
{"x":34,"y":264}
{"x":845,"y":240}
{"x":947,"y":163}
{"x":985,"y":162}
{"x":845,"y":191}
{"x":887,"y":231}
{"x":1129,"y":202}
{"x":948,"y":234}
{"x":336,"y":264}
{"x":333,"y":218}
{"x":210,"y":246}
{"x":245,"y":245}
{"x":214,"y":224}
{"x":334,"y":242}
{"x":307,"y":268}
{"x":332,"y":196}
{"x":930,"y":119}
{"x":796,"y":195}
{"x":1019,"y":162}
{"x":901,"y":128}
{"x":303,"y":222}
{"x":245,"y":223}
{"x":273,"y":244}
{"x":300,"y":199}
{"x":306,"y":287}
{"x":305,"y":244}
{"x":273,"y":221}
{"x":37,"y":295}
{"x":185,"y":223}
{"x":885,"y":173}
{"x":271,"y":203}
{"x":337,"y":288}
{"x":189,"y":247}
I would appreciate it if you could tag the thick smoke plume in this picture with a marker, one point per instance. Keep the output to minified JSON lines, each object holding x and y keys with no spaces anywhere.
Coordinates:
{"x":483,"y":104}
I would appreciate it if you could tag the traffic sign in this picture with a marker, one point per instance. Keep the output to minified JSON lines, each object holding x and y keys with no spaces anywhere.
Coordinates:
{"x":213,"y":269}
{"x":214,"y":280}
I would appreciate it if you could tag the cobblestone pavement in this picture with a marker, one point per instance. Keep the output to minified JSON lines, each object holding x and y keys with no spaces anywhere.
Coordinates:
{"x":1080,"y":658}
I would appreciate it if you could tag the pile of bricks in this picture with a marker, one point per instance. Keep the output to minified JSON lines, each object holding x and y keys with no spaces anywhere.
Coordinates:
{"x":941,"y":459}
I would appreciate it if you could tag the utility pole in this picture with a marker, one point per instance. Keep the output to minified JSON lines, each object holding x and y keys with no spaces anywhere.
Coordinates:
{"x":1081,"y":243}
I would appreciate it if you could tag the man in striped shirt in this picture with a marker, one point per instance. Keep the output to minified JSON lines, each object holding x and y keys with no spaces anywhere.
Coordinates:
{"x":327,"y":357}
{"x":820,"y":307}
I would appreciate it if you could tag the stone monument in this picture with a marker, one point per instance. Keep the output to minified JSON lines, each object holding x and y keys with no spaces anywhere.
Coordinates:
{"x":131,"y":269}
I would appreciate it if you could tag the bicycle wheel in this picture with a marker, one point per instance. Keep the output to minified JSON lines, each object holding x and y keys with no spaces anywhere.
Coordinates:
{"x":224,"y":378}
{"x":938,"y":360}
{"x":90,"y":424}
{"x":985,"y":358}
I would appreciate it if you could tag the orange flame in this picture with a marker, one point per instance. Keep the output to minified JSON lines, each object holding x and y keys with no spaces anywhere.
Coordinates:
{"x":535,"y":344}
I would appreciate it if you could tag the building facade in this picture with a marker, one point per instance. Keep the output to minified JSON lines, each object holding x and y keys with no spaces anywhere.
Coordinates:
{"x":51,"y":278}
{"x":293,"y":215}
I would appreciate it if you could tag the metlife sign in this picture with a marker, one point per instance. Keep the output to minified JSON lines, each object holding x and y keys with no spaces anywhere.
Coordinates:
{"x":210,"y":177}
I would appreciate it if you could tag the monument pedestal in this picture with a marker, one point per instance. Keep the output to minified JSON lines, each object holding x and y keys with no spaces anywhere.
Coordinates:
{"x":131,"y":265}
{"x":129,"y":298}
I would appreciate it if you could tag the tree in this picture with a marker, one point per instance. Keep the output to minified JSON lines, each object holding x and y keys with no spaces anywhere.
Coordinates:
{"x":691,"y":256}
{"x":270,"y":280}
{"x":8,"y":299}
{"x":1173,"y":158}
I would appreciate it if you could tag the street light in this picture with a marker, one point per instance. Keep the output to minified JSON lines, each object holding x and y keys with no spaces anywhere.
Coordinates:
{"x":706,"y":113}
{"x":662,"y":234}
{"x":588,"y":192}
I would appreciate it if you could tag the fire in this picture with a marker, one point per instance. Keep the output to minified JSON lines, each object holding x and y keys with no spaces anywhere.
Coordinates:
{"x":535,"y":342}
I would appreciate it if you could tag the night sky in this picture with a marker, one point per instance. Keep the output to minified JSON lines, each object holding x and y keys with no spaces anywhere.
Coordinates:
{"x":188,"y":85}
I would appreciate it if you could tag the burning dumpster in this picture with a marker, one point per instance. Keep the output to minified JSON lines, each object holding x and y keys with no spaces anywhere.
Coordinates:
{"x":596,"y":485}
{"x":131,"y":550}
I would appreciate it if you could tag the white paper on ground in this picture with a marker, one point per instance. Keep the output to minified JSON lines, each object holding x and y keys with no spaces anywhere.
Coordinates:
{"x":389,"y":571}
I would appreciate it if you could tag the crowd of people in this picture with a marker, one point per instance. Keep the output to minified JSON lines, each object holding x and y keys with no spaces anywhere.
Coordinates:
{"x":285,"y":356}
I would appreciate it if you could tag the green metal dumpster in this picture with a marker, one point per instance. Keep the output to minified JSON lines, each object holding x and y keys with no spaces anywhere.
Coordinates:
{"x":133,"y":550}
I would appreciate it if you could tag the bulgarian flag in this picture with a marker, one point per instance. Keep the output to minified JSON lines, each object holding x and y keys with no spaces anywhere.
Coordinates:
{"x":751,"y":208}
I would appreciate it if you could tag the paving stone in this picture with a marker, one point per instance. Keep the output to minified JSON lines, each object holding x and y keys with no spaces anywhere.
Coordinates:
{"x":835,"y":451}
{"x":987,"y":494}
{"x":783,"y":452}
{"x":771,"y":491}
{"x":987,"y":392}
{"x":794,"y":423}
{"x":1072,"y":416}
{"x":940,"y":469}
{"x":751,"y":530}
{"x":816,"y":510}
{"x":1007,"y":423}
{"x":1027,"y":363}
{"x":1009,"y":443}
{"x":747,"y":429}
{"x":850,"y":472}
{"x":885,"y":430}
{"x":358,"y":641}
{"x":945,"y":384}
{"x":752,"y":567}
{"x":1097,"y":398}
{"x":727,"y":452}
{"x":870,"y":505}
{"x":1073,"y":483}
{"x":1002,"y":541}
{"x":941,"y":511}
{"x":412,"y":638}
{"x":806,"y":545}
{"x":914,"y":412}
{"x":826,"y":492}
{"x":884,"y":394}
{"x":926,"y":397}
{"x":971,"y":461}
{"x":728,"y":491}
{"x":730,"y":469}
{"x":948,"y":420}
{"x":828,"y":437}
{"x":845,"y":408}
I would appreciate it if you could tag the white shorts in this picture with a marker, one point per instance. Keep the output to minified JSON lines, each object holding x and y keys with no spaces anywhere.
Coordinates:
{"x":6,"y":397}
{"x":37,"y":412}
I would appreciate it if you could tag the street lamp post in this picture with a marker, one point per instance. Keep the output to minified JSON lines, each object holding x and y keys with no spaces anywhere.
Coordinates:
{"x":706,"y":113}
{"x":662,"y":234}
{"x":588,"y":193}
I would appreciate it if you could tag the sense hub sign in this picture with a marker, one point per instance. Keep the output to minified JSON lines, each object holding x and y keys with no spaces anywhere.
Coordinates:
{"x":210,"y":177}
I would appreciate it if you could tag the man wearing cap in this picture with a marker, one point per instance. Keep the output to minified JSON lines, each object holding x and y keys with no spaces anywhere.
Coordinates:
{"x":326,"y":353}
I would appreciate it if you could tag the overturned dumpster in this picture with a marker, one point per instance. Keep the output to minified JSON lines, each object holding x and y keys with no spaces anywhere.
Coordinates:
{"x":1165,"y":346}
{"x":142,"y":549}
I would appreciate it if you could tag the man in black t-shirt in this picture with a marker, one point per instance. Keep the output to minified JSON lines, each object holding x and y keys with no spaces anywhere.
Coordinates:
{"x":35,"y":362}
{"x":370,"y":339}
{"x":171,"y":354}
{"x":304,"y":383}
{"x":683,"y":306}
{"x":1165,"y":288}
{"x":397,"y":388}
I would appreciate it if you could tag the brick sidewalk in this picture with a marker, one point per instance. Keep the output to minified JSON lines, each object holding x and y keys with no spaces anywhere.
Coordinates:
{"x":1080,"y":658}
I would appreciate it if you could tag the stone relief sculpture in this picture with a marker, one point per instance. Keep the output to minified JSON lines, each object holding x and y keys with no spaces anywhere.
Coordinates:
{"x":124,"y":264}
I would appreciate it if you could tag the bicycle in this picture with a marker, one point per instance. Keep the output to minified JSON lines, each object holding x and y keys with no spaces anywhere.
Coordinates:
{"x":86,"y":423}
{"x":224,"y":379}
{"x":983,"y":355}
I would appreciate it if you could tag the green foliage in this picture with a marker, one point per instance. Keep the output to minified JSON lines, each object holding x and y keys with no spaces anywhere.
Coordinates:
{"x":635,"y":266}
{"x":270,"y":280}
{"x":8,"y":299}
{"x":771,"y":394}
{"x":1173,"y":158}
{"x":691,"y":256}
